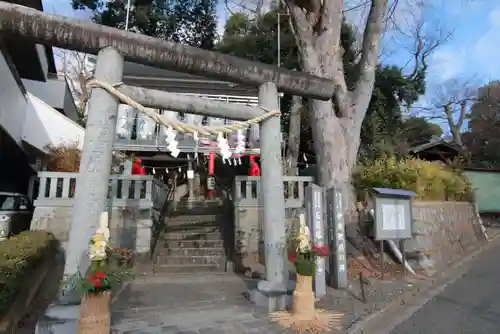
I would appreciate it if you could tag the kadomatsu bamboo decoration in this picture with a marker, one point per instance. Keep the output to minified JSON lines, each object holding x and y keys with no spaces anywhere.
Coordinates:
{"x":102,"y":276}
{"x":304,"y":317}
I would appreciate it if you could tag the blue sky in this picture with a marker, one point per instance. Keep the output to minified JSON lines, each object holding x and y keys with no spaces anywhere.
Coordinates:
{"x":474,"y":47}
{"x":472,"y":51}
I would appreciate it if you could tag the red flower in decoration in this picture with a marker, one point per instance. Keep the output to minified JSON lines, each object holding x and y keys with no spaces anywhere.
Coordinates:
{"x":320,"y":250}
{"x":292,"y":254}
{"x":96,"y":282}
{"x":95,"y":279}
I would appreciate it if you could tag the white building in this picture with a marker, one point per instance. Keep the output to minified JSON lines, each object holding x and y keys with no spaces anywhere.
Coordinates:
{"x":36,"y":109}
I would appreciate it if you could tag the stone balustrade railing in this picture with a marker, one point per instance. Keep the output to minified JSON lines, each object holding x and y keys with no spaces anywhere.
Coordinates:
{"x":58,"y":189}
{"x":135,"y":206}
{"x":247,"y":188}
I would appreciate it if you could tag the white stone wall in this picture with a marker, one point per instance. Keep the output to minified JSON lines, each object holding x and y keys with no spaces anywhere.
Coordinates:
{"x":129,"y":227}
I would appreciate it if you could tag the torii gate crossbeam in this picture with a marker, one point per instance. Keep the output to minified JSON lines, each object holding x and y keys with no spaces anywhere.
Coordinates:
{"x":68,"y":33}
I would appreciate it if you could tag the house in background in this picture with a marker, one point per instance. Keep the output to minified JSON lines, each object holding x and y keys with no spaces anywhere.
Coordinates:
{"x":485,"y":182}
{"x":37,"y":109}
{"x":486,"y":186}
{"x":436,"y":149}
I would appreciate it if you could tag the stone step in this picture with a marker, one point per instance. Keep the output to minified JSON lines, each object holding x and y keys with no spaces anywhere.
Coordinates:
{"x":192,"y":229}
{"x":191,"y":260}
{"x":194,"y":219}
{"x":201,"y":202}
{"x":196,"y":209}
{"x":186,"y":243}
{"x":195,"y":268}
{"x":192,"y":235}
{"x":178,"y":251}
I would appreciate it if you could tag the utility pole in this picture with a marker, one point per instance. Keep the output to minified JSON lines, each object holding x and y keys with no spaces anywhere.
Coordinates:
{"x":278,"y":41}
{"x":128,"y":15}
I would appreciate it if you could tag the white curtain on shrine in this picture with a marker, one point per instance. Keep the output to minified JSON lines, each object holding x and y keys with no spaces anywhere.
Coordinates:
{"x":254,"y":136}
{"x":145,"y":127}
{"x":169,"y":115}
{"x":125,"y":121}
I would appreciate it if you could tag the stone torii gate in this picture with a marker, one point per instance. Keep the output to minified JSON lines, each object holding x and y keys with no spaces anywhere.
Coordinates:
{"x":113,"y":46}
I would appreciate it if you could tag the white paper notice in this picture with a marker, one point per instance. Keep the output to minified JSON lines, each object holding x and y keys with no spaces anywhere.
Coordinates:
{"x":393,"y":217}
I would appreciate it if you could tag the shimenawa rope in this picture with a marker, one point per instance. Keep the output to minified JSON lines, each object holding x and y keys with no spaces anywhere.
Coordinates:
{"x":178,"y":126}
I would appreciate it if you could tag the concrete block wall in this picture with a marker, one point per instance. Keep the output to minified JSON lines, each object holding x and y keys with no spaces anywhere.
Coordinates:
{"x":129,"y":227}
{"x":444,"y":232}
{"x":248,"y":237}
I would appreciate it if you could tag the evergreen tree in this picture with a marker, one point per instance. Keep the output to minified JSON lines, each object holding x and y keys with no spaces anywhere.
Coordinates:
{"x":190,"y":22}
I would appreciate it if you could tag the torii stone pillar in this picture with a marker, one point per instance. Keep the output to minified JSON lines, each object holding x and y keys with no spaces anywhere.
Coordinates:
{"x":91,"y":191}
{"x":272,"y":292}
{"x":93,"y":181}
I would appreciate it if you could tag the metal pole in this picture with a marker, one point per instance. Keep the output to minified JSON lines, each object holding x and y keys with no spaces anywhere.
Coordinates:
{"x":95,"y":165}
{"x":190,"y":178}
{"x":279,"y":52}
{"x":402,"y":247}
{"x":279,"y":39}
{"x":381,"y":260}
{"x":128,"y":14}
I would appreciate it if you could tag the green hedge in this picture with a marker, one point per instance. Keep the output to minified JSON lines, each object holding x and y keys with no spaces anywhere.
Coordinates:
{"x":19,"y":257}
{"x":430,"y":181}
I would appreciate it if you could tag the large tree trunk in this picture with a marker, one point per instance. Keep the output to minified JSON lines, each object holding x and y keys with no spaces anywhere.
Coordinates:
{"x":336,"y":131}
{"x":336,"y":124}
{"x":293,"y":142}
{"x":332,"y":149}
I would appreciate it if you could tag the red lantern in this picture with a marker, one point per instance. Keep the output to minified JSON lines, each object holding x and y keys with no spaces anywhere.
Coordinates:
{"x":254,"y":166}
{"x":137,"y":168}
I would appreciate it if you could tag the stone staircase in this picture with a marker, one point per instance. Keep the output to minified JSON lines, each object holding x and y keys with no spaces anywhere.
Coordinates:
{"x":193,"y":239}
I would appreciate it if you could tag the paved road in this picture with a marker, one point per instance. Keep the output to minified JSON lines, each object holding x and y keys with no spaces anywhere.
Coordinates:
{"x":471,"y":305}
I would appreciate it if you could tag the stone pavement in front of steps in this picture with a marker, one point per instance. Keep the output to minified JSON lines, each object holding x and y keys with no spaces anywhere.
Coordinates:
{"x":199,"y":303}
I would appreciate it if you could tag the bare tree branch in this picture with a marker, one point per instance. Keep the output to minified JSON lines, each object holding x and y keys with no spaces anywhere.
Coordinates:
{"x":369,"y":56}
{"x":451,"y":102}
{"x":73,"y":69}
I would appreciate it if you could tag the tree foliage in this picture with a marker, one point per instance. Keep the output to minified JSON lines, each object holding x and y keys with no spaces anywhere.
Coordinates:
{"x":394,"y":91}
{"x":418,"y":130}
{"x":429,"y":181}
{"x":191,"y":22}
{"x":381,"y":129}
{"x":483,"y":138}
{"x":257,"y":39}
